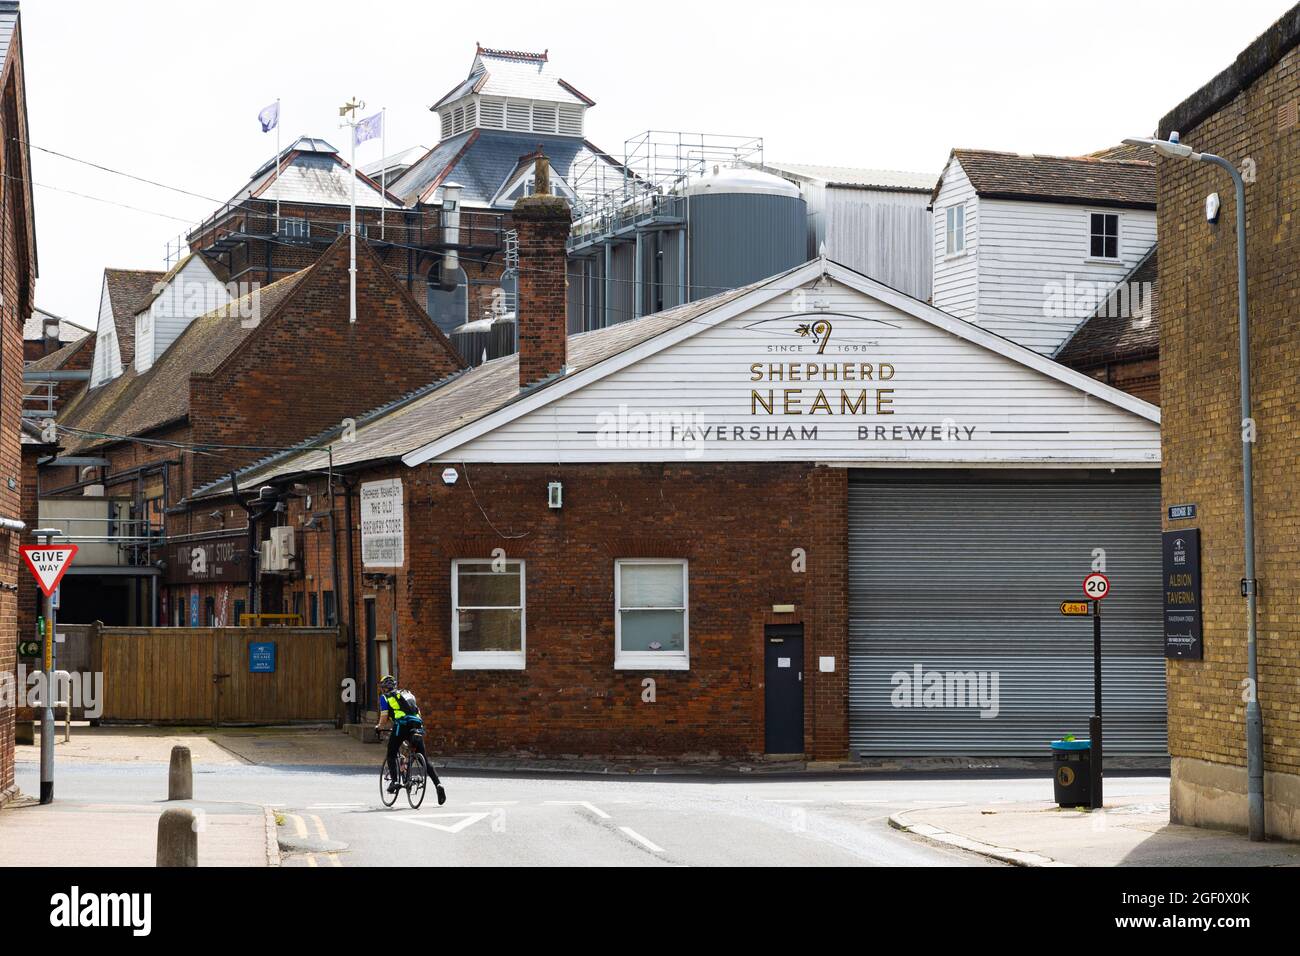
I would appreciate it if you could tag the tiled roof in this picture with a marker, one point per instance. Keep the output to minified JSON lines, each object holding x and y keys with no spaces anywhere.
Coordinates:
{"x":1126,"y":151}
{"x":127,"y":288}
{"x":1113,"y":332}
{"x":854,"y":177}
{"x":135,"y":403}
{"x":1074,"y":179}
{"x":60,"y":356}
{"x":481,"y":161}
{"x":467,"y":396}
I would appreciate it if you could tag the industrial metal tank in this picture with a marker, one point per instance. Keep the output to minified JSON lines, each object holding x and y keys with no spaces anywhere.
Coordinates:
{"x":743,"y":225}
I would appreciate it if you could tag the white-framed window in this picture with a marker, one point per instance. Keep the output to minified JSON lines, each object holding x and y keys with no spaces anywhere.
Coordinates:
{"x":342,"y":229}
{"x":651,"y":614}
{"x":294,"y":228}
{"x":954,"y":230}
{"x":487,"y":615}
{"x":1103,"y":235}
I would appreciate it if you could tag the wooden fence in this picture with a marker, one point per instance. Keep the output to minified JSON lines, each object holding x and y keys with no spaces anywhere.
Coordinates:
{"x":208,"y":675}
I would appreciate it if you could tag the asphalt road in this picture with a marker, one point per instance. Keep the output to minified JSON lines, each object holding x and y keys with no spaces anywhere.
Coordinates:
{"x":332,"y":816}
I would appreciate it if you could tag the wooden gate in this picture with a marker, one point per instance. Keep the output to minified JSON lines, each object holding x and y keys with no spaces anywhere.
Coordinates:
{"x":203,"y":675}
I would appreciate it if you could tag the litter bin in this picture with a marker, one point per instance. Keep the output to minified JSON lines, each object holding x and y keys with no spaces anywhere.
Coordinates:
{"x":1072,"y":772}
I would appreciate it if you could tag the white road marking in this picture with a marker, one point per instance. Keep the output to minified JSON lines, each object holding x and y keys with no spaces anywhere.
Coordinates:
{"x":493,"y":803}
{"x":426,"y":820}
{"x":792,"y":800}
{"x":652,"y":847}
{"x":578,"y":803}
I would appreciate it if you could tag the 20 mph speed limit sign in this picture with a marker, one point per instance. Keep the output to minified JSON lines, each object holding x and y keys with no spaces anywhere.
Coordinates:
{"x":1096,"y":586}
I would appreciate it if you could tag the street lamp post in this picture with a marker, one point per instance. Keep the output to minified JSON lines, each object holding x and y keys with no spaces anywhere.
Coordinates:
{"x":1249,"y":586}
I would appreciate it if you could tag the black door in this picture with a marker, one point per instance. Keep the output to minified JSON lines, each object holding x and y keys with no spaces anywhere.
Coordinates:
{"x":783,"y":707}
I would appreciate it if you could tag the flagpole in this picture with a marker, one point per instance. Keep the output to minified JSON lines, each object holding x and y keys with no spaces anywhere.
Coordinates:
{"x":276,"y":183}
{"x":352,"y":215}
{"x":383,"y":172}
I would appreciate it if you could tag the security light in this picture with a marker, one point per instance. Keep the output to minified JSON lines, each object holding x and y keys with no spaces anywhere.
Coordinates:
{"x":1170,"y":147}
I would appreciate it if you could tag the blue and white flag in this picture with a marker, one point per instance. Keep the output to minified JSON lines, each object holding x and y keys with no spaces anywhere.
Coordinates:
{"x":270,"y":117}
{"x":372,"y":127}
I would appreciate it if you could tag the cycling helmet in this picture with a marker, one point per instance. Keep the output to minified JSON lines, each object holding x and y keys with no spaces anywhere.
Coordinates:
{"x":388,"y":682}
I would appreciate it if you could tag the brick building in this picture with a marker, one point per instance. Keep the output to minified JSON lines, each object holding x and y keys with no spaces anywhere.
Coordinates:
{"x":1248,"y":115}
{"x":718,"y":529}
{"x":264,"y":371}
{"x":17,"y":287}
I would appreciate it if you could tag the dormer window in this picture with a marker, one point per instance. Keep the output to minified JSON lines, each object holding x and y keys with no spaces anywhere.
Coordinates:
{"x":1103,"y":235}
{"x":523,"y":183}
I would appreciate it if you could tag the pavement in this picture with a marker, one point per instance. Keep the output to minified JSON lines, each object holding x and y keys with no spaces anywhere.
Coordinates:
{"x":303,"y":796}
{"x":1128,"y":831}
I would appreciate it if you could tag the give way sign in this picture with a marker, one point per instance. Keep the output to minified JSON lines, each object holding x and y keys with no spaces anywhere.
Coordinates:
{"x":47,"y":563}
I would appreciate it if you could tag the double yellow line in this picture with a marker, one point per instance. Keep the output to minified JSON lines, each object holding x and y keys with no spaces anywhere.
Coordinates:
{"x":300,"y":828}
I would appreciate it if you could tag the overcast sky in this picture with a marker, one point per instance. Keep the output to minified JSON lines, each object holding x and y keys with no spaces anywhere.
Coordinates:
{"x":170,"y":90}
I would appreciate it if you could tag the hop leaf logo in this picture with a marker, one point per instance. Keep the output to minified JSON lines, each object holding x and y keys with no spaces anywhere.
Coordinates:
{"x":819,"y":332}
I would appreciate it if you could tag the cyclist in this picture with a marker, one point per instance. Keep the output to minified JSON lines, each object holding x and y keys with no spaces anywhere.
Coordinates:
{"x":398,"y":709}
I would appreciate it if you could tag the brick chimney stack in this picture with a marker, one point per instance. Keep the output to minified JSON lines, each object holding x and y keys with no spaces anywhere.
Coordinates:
{"x":542,"y":222}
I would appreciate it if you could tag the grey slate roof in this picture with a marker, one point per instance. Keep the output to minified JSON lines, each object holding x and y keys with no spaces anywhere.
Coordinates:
{"x":467,"y":396}
{"x":480,"y":160}
{"x":514,"y":73}
{"x":34,"y":327}
{"x":316,"y":174}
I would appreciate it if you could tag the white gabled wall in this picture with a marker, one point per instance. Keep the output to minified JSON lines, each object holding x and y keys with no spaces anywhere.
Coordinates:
{"x":1036,"y":279}
{"x":107,"y":363}
{"x":953,"y":401}
{"x":193,"y":291}
{"x":956,"y":277}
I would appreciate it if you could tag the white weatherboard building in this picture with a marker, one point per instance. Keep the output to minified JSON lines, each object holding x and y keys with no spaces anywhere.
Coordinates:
{"x":984,"y":482}
{"x":1027,"y":246}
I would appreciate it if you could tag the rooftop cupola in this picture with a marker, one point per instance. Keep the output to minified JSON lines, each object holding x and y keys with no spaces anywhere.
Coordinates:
{"x":515,"y":91}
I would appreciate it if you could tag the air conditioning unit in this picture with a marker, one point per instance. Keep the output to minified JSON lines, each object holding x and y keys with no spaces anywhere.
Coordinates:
{"x":278,"y":552}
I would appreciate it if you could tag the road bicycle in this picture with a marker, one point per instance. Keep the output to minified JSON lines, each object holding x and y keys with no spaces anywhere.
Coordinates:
{"x":412,"y":774}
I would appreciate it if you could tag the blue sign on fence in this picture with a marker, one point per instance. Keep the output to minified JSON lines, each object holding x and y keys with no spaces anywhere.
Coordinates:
{"x":261,"y":658}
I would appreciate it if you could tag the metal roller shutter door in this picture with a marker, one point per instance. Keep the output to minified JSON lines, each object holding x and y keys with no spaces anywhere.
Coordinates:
{"x":968,"y":575}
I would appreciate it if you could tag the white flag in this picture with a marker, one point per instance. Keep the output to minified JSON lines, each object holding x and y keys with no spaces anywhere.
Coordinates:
{"x":372,"y":127}
{"x":269,"y":117}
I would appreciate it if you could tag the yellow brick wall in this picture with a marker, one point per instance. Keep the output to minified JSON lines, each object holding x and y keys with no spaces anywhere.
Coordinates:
{"x":1201,"y":416}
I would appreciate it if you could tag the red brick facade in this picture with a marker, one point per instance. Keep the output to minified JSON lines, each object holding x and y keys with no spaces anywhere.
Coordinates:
{"x":745,"y":531}
{"x":543,"y":226}
{"x":310,"y":368}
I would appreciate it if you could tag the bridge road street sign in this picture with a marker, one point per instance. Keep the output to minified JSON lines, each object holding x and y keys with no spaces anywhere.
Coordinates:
{"x":48,"y":563}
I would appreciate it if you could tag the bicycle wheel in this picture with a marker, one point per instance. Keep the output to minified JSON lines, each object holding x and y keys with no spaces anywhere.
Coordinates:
{"x":419,"y":774}
{"x":384,"y":780}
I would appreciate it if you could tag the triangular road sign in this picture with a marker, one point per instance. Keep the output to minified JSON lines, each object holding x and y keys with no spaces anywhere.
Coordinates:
{"x":47,"y":563}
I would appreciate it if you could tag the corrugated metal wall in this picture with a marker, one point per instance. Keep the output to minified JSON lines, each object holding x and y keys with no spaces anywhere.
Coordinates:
{"x":738,"y":238}
{"x":968,"y":575}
